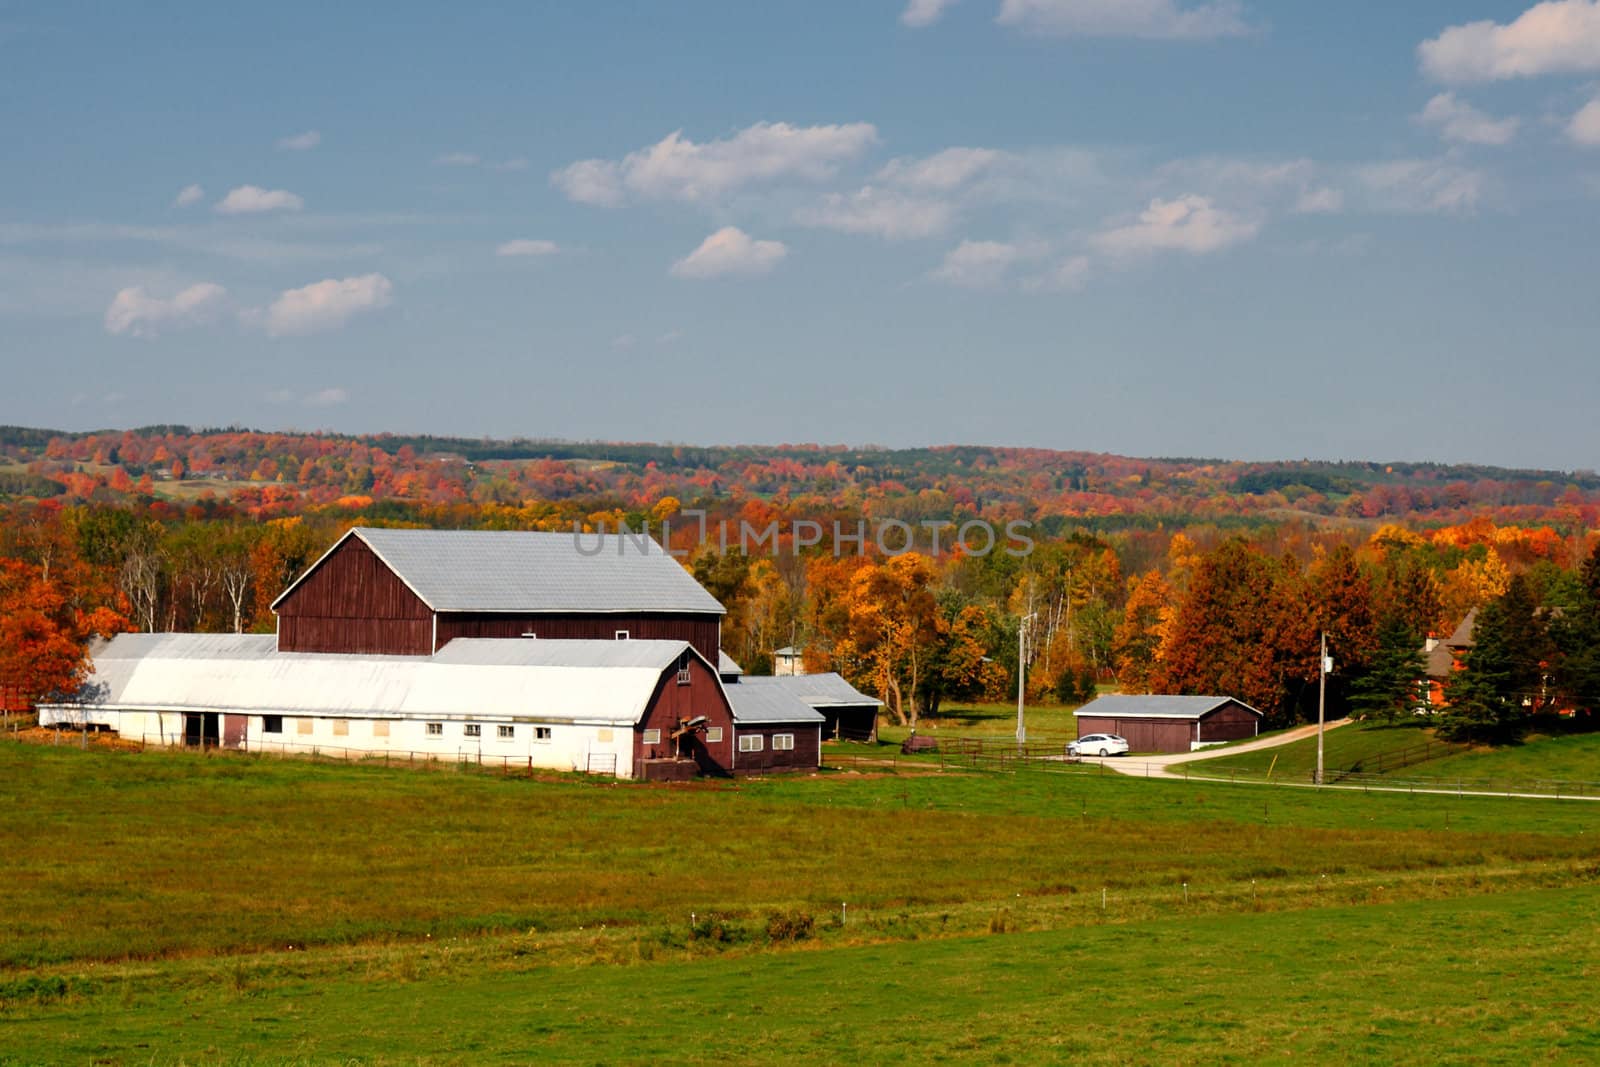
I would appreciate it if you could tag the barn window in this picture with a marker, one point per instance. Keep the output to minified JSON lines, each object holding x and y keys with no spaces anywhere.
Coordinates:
{"x":505,"y":733}
{"x":603,"y":734}
{"x":622,"y":635}
{"x":750,"y":743}
{"x":472,"y":729}
{"x":782,"y":742}
{"x":341,"y":727}
{"x":652,"y":737}
{"x":380,"y":728}
{"x":272,"y":724}
{"x":303,"y":726}
{"x":684,"y":677}
{"x":713,"y":734}
{"x":541,"y":733}
{"x":436,"y":729}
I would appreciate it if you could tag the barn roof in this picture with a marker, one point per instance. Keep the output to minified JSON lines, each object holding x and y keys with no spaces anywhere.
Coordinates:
{"x":726,"y":666}
{"x":607,"y":682}
{"x":1128,"y":706}
{"x":528,"y":571}
{"x":769,"y":704}
{"x":828,"y":690}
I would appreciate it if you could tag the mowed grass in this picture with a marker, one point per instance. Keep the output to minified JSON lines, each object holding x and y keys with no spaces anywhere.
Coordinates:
{"x":125,"y":856}
{"x":1570,"y":758}
{"x":1055,"y":721}
{"x":1500,"y":979}
{"x":1351,"y":746}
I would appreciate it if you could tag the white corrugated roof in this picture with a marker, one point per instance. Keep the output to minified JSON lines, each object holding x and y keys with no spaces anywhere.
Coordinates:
{"x":532,"y":571}
{"x":725,"y":664}
{"x":769,"y":704}
{"x":1132,"y":706}
{"x":582,"y":681}
{"x":818,"y":690}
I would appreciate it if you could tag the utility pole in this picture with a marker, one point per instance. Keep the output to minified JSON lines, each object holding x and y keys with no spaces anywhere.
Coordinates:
{"x":1322,"y":699}
{"x":1022,"y":675}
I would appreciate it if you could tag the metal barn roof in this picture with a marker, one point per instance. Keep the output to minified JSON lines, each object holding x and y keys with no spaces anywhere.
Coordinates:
{"x":1157,"y":707}
{"x":769,"y":704}
{"x":532,"y":571}
{"x":726,"y":666}
{"x":608,"y":682}
{"x":828,"y":690}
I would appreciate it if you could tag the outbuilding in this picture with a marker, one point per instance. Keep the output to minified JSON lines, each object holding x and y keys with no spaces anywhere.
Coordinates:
{"x":773,"y":730}
{"x":1154,"y":723}
{"x":847,"y":713}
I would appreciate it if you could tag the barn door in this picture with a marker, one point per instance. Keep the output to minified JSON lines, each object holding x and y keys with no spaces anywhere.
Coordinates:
{"x":234,"y":730}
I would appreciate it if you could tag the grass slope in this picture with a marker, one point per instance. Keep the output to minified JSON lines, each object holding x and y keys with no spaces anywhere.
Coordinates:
{"x":1569,"y":758}
{"x":1354,"y":746}
{"x":1448,"y":980}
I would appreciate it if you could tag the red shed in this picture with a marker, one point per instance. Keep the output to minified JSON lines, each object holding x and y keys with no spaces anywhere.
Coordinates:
{"x":1170,"y":723}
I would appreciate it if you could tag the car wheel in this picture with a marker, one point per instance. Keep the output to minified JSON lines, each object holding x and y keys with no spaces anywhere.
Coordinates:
{"x":1104,"y":753}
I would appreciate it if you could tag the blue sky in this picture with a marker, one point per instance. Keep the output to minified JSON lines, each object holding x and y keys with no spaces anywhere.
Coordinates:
{"x":1156,"y":227}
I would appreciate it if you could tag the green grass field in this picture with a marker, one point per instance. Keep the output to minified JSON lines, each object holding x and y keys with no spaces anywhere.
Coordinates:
{"x":1357,"y":745}
{"x":168,"y":907}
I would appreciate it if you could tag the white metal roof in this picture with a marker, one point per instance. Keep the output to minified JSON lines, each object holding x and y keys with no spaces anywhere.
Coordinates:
{"x":769,"y":704}
{"x":828,"y":690}
{"x":726,"y":666}
{"x":607,"y":682}
{"x":533,"y":572}
{"x":1131,"y":706}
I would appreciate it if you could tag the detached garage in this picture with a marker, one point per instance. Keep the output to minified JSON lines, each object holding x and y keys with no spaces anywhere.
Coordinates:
{"x":1170,"y":723}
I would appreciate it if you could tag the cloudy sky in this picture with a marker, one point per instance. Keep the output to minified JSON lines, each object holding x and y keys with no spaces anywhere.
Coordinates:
{"x":1158,"y":227}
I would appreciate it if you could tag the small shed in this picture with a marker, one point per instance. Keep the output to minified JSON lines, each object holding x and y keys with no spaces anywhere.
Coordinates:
{"x":1170,"y":723}
{"x":774,"y":730}
{"x":848,"y":713}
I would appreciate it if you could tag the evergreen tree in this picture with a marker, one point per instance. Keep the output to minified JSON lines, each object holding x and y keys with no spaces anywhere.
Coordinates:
{"x":1389,"y":686}
{"x":1502,"y":679}
{"x":1577,"y":635}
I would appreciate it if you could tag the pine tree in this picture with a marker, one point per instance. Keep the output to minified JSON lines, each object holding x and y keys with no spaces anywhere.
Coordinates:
{"x":1389,"y":686}
{"x":1501,"y":683}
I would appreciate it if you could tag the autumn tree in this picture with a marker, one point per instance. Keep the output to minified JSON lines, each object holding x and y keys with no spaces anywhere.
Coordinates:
{"x":1139,"y":636}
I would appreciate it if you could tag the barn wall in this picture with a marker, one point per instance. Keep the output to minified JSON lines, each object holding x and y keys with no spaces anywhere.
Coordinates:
{"x":701,"y":631}
{"x":1144,"y":735}
{"x":352,"y":602}
{"x":671,"y":703}
{"x":805,"y":756}
{"x":1231,"y":722}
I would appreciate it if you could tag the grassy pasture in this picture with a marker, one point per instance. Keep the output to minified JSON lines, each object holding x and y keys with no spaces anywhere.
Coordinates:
{"x":1356,"y":744}
{"x":185,"y":903}
{"x":1572,"y":758}
{"x":1415,"y":983}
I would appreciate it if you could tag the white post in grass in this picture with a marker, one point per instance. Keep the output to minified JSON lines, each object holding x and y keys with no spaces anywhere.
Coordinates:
{"x":1022,"y":676}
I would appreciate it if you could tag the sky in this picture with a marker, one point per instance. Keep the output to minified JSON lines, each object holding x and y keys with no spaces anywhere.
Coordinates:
{"x":1245,"y":230}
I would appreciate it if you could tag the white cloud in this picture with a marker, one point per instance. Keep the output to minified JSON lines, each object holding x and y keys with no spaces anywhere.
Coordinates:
{"x":327,"y":304}
{"x":1150,"y":19}
{"x":730,"y":251}
{"x":326,"y":398}
{"x":189,"y":194}
{"x":1321,"y":200}
{"x":1584,"y":128}
{"x":525,"y":247}
{"x":1457,"y":120}
{"x":940,"y":172}
{"x":888,"y":214}
{"x":1067,"y":276}
{"x":1555,"y":37}
{"x":135,"y":312}
{"x":252,"y":199}
{"x":457,"y":159}
{"x":1185,"y":224}
{"x":1422,"y":185}
{"x":300,"y":142}
{"x":676,"y":168}
{"x":924,"y":12}
{"x":977,"y":264}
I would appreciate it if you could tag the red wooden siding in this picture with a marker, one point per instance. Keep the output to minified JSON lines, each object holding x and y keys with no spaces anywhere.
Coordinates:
{"x":805,"y":756}
{"x":1144,"y":735}
{"x":1230,"y":722}
{"x":672,"y":702}
{"x":701,"y":631}
{"x":353,"y":602}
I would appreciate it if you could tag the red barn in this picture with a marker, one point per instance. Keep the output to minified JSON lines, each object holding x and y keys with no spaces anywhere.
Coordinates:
{"x":1170,"y":723}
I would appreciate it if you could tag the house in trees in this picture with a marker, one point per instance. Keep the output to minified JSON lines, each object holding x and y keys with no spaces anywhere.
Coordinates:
{"x":585,"y":653}
{"x":1445,"y":657}
{"x":1170,"y":723}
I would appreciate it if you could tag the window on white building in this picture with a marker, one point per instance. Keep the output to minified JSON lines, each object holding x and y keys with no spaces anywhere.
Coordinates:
{"x":472,"y":729}
{"x":272,"y":724}
{"x":541,"y":733}
{"x":505,"y":733}
{"x":436,"y":729}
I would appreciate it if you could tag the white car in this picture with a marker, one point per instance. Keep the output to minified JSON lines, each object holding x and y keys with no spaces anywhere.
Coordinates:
{"x":1098,"y":745}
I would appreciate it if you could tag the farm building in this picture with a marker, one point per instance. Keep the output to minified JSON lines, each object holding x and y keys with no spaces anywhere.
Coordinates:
{"x":1170,"y":723}
{"x":571,"y":652}
{"x":612,"y":707}
{"x":848,"y":714}
{"x":412,"y":592}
